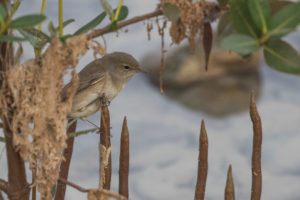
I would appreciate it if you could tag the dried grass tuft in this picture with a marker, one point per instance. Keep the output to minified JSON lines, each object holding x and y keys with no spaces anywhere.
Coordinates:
{"x":39,"y":112}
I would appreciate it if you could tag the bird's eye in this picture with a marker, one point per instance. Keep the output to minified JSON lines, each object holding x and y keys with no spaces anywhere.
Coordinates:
{"x":126,"y":67}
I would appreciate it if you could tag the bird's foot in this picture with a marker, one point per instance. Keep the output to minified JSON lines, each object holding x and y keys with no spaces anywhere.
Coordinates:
{"x":86,"y":120}
{"x":104,"y":101}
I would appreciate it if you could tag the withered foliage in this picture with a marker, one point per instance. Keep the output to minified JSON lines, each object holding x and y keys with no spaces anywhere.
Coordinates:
{"x":33,"y":101}
{"x":191,"y":20}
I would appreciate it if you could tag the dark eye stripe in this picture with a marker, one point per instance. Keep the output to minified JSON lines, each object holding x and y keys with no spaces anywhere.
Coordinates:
{"x":126,"y":67}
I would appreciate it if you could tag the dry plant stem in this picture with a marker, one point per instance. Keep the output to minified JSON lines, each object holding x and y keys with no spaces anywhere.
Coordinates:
{"x":229,"y":188}
{"x":77,"y":187}
{"x":17,"y":184}
{"x":256,"y":153}
{"x":3,"y":186}
{"x":124,"y":160}
{"x":162,"y":58}
{"x":33,"y":191}
{"x":1,"y":125}
{"x":105,"y":142}
{"x":102,"y":31}
{"x":202,"y":164}
{"x":65,"y":165}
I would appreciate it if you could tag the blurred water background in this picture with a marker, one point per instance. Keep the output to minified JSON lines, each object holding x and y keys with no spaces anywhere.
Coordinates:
{"x":164,"y":133}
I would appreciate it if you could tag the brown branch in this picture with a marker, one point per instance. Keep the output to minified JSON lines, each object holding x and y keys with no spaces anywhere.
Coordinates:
{"x":77,"y":187}
{"x":105,"y":165}
{"x":202,"y":164}
{"x":4,"y":186}
{"x":124,"y":160}
{"x":106,"y":29}
{"x":229,"y":188}
{"x":256,"y":152}
{"x":65,"y":165}
{"x":1,"y":125}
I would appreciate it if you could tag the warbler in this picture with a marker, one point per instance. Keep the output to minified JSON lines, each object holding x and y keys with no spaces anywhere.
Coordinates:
{"x":102,"y":80}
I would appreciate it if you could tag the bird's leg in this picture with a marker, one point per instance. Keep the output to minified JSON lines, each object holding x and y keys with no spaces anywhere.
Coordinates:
{"x":72,"y":122}
{"x":86,"y":120}
{"x":104,"y":101}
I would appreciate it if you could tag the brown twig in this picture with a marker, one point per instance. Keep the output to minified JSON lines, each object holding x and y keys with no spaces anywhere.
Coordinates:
{"x":161,"y":32}
{"x":105,"y":159}
{"x":124,"y":160}
{"x":106,"y":29}
{"x":77,"y":187}
{"x":4,"y":186}
{"x":1,"y":125}
{"x":256,"y":152}
{"x":65,"y":165}
{"x":202,"y":164}
{"x":33,"y":191}
{"x":107,"y":193}
{"x":229,"y":188}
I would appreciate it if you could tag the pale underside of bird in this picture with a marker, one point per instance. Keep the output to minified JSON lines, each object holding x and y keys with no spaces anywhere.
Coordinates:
{"x":100,"y":82}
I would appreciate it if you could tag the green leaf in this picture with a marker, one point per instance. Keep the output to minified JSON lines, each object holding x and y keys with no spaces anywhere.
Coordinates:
{"x":241,"y":44}
{"x":2,"y":139}
{"x":225,"y":26}
{"x":241,"y":18}
{"x":8,"y":38}
{"x":281,"y":56}
{"x":53,"y":191}
{"x":107,"y":8}
{"x":37,"y":33}
{"x":27,"y":21}
{"x":260,"y":13}
{"x":123,"y":13}
{"x":285,"y":21}
{"x":171,"y":11}
{"x":3,"y":14}
{"x":92,"y":24}
{"x":75,"y":134}
{"x":52,"y":29}
{"x":66,"y":23}
{"x":223,"y":3}
{"x":18,"y":54}
{"x":30,"y":38}
{"x":277,"y":5}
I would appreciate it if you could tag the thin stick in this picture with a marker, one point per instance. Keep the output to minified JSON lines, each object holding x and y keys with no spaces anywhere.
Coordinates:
{"x":202,"y":164}
{"x":33,"y":192}
{"x":229,"y":188}
{"x":105,"y":165}
{"x":106,"y":29}
{"x":77,"y":187}
{"x":162,"y":58}
{"x":256,"y":153}
{"x":65,"y":165}
{"x":124,"y":160}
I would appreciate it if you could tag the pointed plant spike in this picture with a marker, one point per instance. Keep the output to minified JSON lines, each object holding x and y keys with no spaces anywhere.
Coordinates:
{"x":124,"y":160}
{"x":256,"y":150}
{"x":229,"y":188}
{"x":207,"y":42}
{"x":52,"y":30}
{"x":202,"y":164}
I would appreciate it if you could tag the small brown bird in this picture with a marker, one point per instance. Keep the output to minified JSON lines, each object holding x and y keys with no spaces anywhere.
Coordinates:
{"x":101,"y":80}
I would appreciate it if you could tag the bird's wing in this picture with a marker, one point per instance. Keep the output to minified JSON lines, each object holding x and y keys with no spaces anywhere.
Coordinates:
{"x":91,"y":80}
{"x":89,"y":75}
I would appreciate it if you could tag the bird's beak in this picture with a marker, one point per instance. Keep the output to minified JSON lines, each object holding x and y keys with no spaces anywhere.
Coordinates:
{"x":143,"y":71}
